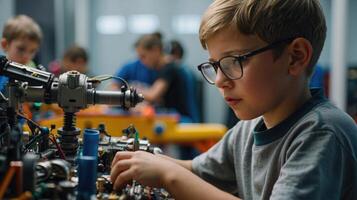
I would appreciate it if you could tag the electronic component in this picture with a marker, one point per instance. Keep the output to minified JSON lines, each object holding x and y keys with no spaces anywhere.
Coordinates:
{"x":63,"y":167}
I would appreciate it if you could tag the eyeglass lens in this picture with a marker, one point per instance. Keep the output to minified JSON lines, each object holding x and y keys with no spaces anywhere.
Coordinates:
{"x":230,"y":66}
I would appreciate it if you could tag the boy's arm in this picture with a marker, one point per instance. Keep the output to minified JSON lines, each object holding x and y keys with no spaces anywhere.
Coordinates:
{"x":187,"y":164}
{"x":161,"y":171}
{"x":161,"y":85}
{"x":156,"y":91}
{"x":183,"y":184}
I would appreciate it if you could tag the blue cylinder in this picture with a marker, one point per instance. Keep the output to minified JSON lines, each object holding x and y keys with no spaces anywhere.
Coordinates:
{"x":90,"y":142}
{"x":87,"y":176}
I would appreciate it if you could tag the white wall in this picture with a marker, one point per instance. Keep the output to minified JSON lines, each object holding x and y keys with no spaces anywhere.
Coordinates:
{"x":351,"y":37}
{"x":6,"y":11}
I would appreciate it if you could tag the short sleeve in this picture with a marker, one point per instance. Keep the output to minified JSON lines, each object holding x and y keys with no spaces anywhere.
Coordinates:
{"x":216,"y":166}
{"x":314,"y":167}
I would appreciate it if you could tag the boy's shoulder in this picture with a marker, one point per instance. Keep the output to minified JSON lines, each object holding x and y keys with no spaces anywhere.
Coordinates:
{"x":316,"y":116}
{"x":326,"y":118}
{"x":319,"y":114}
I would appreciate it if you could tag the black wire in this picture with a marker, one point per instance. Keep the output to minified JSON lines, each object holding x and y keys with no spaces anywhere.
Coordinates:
{"x":107,"y":77}
{"x":34,"y":127}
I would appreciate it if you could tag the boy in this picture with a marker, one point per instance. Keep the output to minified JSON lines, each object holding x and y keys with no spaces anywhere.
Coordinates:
{"x":20,"y":41}
{"x":168,"y":90}
{"x":289,"y":138}
{"x":136,"y":72}
{"x":75,"y":58}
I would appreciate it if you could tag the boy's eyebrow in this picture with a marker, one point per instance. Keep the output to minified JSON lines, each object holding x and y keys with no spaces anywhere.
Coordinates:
{"x":232,"y":52}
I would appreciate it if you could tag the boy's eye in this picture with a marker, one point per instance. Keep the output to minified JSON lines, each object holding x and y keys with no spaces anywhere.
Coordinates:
{"x":236,"y":61}
{"x":24,"y":50}
{"x":21,"y":49}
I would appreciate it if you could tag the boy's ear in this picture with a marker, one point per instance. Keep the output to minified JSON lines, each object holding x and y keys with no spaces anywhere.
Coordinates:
{"x":300,"y":51}
{"x":4,"y":44}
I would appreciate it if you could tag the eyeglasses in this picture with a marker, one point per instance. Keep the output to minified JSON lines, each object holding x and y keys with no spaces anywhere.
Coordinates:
{"x":232,"y":66}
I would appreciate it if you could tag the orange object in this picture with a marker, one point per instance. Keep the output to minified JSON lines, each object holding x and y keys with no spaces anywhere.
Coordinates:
{"x":14,"y":170}
{"x":148,"y":111}
{"x":158,"y":129}
{"x":5,"y":183}
{"x":26,"y":109}
{"x":203,"y":146}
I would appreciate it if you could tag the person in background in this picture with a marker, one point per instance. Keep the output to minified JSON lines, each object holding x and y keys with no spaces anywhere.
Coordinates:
{"x":175,"y":53}
{"x":168,"y":90}
{"x":21,"y":39}
{"x":261,"y":58}
{"x":136,"y":73}
{"x":74,"y":58}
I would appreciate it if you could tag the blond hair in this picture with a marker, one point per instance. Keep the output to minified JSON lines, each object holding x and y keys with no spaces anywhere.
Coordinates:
{"x":22,"y":26}
{"x":270,"y":20}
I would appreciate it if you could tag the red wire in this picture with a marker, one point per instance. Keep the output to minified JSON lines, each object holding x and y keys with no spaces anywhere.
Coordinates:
{"x":58,"y":147}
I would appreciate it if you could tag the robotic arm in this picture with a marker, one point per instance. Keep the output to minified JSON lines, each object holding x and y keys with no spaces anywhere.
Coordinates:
{"x":72,"y":91}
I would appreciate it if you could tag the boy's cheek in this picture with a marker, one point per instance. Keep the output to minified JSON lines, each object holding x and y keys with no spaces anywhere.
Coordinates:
{"x":18,"y":57}
{"x":13,"y":56}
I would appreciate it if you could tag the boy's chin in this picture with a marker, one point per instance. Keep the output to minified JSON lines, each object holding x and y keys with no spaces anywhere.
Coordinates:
{"x":244,"y":116}
{"x":23,"y":62}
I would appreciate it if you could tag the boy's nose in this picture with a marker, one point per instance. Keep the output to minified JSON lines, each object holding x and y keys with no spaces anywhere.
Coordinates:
{"x":221,"y":79}
{"x":25,"y":59}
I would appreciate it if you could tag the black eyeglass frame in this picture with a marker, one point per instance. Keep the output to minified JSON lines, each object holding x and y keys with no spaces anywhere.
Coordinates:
{"x":240,"y":59}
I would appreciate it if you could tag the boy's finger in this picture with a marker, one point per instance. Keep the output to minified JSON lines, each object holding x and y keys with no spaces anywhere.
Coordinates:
{"x":118,"y":168}
{"x":121,"y":155}
{"x":123,"y":179}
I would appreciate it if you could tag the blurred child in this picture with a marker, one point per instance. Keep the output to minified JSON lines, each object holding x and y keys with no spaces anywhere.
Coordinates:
{"x":21,"y":38}
{"x":175,"y":53}
{"x":74,"y":58}
{"x":168,"y":90}
{"x":136,"y":73}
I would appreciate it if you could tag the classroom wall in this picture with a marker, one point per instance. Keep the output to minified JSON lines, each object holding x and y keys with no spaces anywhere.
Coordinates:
{"x":6,"y":11}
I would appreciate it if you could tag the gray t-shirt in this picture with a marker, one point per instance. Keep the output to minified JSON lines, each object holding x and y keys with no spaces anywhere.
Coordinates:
{"x":310,"y":155}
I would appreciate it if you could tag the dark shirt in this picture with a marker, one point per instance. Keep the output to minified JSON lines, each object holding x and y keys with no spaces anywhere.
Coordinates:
{"x":174,"y":98}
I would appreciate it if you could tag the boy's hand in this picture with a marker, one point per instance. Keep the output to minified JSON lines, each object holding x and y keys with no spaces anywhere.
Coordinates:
{"x":148,"y":169}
